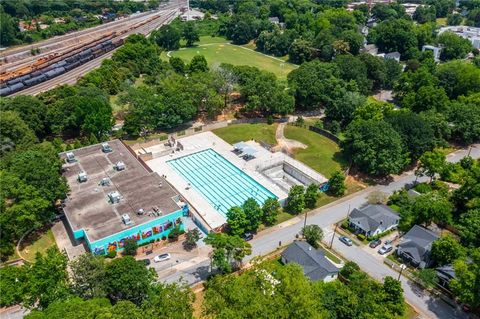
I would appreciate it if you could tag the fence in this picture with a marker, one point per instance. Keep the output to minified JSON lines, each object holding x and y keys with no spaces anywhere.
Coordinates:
{"x":327,"y":134}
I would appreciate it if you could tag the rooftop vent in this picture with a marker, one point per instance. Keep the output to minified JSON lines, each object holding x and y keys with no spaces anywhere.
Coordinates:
{"x":114,"y":197}
{"x":126,"y":219}
{"x":82,"y":177}
{"x":120,"y":166}
{"x":140,"y":212}
{"x":106,"y":148}
{"x":71,"y":157}
{"x":105,"y":182}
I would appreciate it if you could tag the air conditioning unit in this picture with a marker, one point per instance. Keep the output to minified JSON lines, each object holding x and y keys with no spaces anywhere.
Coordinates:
{"x":140,"y":212}
{"x":105,"y":182}
{"x":126,"y":219}
{"x":106,"y":148}
{"x":71,"y":157}
{"x":114,"y":197}
{"x":120,"y":166}
{"x":82,"y":177}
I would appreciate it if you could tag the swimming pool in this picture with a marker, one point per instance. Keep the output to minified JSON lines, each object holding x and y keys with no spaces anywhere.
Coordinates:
{"x":220,"y":182}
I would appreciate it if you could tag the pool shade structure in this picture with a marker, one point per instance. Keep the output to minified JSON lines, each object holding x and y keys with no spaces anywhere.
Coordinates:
{"x":249,"y":151}
{"x":240,"y":146}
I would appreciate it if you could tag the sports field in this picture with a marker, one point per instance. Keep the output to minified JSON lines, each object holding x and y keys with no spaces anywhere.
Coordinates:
{"x":216,"y":52}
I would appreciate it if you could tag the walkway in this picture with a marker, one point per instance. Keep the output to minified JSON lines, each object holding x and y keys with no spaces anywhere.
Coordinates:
{"x":285,"y":144}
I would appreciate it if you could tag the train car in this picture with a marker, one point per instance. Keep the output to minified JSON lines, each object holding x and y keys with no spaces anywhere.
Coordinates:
{"x":16,"y":87}
{"x":4,"y":91}
{"x":39,"y":79}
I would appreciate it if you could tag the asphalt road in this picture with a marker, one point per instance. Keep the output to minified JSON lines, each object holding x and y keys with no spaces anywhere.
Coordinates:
{"x":283,"y":234}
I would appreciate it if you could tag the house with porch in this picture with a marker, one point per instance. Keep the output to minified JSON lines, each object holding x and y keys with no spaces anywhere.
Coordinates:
{"x":373,"y":220}
{"x":416,"y":245}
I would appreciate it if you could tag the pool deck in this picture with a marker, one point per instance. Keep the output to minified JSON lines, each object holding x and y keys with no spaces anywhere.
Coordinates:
{"x":203,"y":141}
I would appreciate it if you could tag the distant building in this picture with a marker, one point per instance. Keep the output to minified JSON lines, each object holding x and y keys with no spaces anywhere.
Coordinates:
{"x":436,"y":51}
{"x":470,"y":33}
{"x":313,"y":261}
{"x":373,"y":219}
{"x":416,"y":246}
{"x":192,"y":14}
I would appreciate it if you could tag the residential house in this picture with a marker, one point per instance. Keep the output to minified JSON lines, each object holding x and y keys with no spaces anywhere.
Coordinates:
{"x":445,"y":274}
{"x":373,"y":219}
{"x":313,"y":261}
{"x":416,"y":245}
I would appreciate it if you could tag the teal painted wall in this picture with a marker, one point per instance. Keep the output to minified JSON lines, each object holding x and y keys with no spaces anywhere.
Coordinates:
{"x":154,"y":229}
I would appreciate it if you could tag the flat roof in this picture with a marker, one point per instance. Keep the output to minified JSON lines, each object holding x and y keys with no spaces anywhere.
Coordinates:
{"x":87,"y":206}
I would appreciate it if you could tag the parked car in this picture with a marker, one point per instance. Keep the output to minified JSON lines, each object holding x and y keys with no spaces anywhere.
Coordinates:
{"x":347,"y":241}
{"x":162,"y":257}
{"x":145,"y":261}
{"x":385,"y":249}
{"x":375,"y":243}
{"x":247,"y":236}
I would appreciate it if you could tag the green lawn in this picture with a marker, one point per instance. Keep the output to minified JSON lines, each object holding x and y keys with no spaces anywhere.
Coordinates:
{"x":322,"y":154}
{"x":245,"y":132}
{"x":218,"y":50}
{"x":37,"y":242}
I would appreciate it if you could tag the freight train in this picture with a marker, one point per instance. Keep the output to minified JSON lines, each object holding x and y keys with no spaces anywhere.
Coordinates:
{"x":58,"y":65}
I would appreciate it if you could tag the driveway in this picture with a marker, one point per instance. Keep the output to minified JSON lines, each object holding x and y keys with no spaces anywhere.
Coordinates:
{"x":325,"y":216}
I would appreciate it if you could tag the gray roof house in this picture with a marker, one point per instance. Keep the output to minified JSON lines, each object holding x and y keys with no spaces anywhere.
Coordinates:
{"x":313,"y":261}
{"x":445,"y":273}
{"x":416,"y":245}
{"x":373,"y":219}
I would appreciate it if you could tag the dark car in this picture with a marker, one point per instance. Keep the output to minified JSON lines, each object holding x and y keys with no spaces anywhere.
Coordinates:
{"x":375,"y":243}
{"x":347,"y":241}
{"x":247,"y":236}
{"x":145,"y":261}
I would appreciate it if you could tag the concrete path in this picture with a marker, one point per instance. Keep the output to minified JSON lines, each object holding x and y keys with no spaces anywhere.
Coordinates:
{"x":65,"y":242}
{"x":285,"y":144}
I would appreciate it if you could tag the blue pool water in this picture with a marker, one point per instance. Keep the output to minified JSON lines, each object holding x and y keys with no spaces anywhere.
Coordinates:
{"x":220,"y":182}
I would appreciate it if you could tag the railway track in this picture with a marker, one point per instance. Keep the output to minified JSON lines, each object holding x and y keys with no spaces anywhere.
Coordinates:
{"x":71,"y":77}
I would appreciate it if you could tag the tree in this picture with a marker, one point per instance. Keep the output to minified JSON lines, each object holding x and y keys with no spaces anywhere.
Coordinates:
{"x":254,"y":214}
{"x":311,"y":196}
{"x":465,"y":120}
{"x":198,"y":64}
{"x":394,"y":295}
{"x":432,"y":207}
{"x":336,"y":184}
{"x":88,"y":276}
{"x":228,"y":251}
{"x":15,"y":133}
{"x":295,"y":200}
{"x":349,"y":269}
{"x":454,"y":19}
{"x":270,"y":209}
{"x":458,"y":78}
{"x":431,"y":163}
{"x":428,"y":277}
{"x":168,"y":37}
{"x":237,"y":221}
{"x":446,"y":249}
{"x":416,"y":135}
{"x":130,"y":247}
{"x":30,"y":109}
{"x":313,"y":234}
{"x":375,"y":147}
{"x":300,"y":51}
{"x":191,"y":238}
{"x":466,"y":284}
{"x":394,"y":35}
{"x":342,"y":109}
{"x":453,"y":46}
{"x":8,"y":29}
{"x":469,"y":228}
{"x":128,"y":279}
{"x":424,"y":14}
{"x":47,"y":279}
{"x":13,"y":285}
{"x":169,"y":301}
{"x":177,"y":64}
{"x":353,"y":68}
{"x":190,"y":33}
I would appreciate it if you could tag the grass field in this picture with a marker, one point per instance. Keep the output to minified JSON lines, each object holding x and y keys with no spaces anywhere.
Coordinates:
{"x":216,"y":52}
{"x":245,"y":132}
{"x":322,"y":154}
{"x":39,"y":243}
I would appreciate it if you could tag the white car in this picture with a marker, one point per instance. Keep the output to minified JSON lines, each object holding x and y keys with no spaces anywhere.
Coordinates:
{"x":162,"y":257}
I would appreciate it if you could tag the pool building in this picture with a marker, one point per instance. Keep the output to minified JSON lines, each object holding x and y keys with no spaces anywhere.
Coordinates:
{"x":114,"y":196}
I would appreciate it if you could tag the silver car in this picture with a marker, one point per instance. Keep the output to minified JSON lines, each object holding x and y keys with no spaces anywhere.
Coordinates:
{"x":385,"y":249}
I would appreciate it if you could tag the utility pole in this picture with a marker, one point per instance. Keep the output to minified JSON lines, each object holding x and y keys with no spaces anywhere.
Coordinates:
{"x":305,"y":220}
{"x":402,"y":267}
{"x":333,"y":236}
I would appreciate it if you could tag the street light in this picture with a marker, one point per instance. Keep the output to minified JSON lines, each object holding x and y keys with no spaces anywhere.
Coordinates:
{"x":402,"y":268}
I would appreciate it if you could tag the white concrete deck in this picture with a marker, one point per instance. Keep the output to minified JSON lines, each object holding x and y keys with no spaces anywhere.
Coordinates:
{"x":200,"y":142}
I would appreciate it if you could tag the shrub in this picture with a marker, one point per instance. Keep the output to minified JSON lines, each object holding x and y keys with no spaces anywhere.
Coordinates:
{"x":130,"y":247}
{"x":300,"y":121}
{"x":112,"y":254}
{"x":423,"y":188}
{"x":361,"y":237}
{"x":345,"y":224}
{"x":269,"y":120}
{"x":164,"y":237}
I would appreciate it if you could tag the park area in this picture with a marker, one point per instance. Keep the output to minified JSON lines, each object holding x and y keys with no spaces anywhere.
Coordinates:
{"x":217,"y":50}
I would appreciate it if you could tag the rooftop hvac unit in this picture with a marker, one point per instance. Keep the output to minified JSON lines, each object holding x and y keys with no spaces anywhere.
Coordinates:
{"x":70,"y":157}
{"x":126,"y":219}
{"x":105,"y":182}
{"x":140,"y":212}
{"x":106,"y":148}
{"x":120,"y":166}
{"x":82,"y":177}
{"x":114,"y":197}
